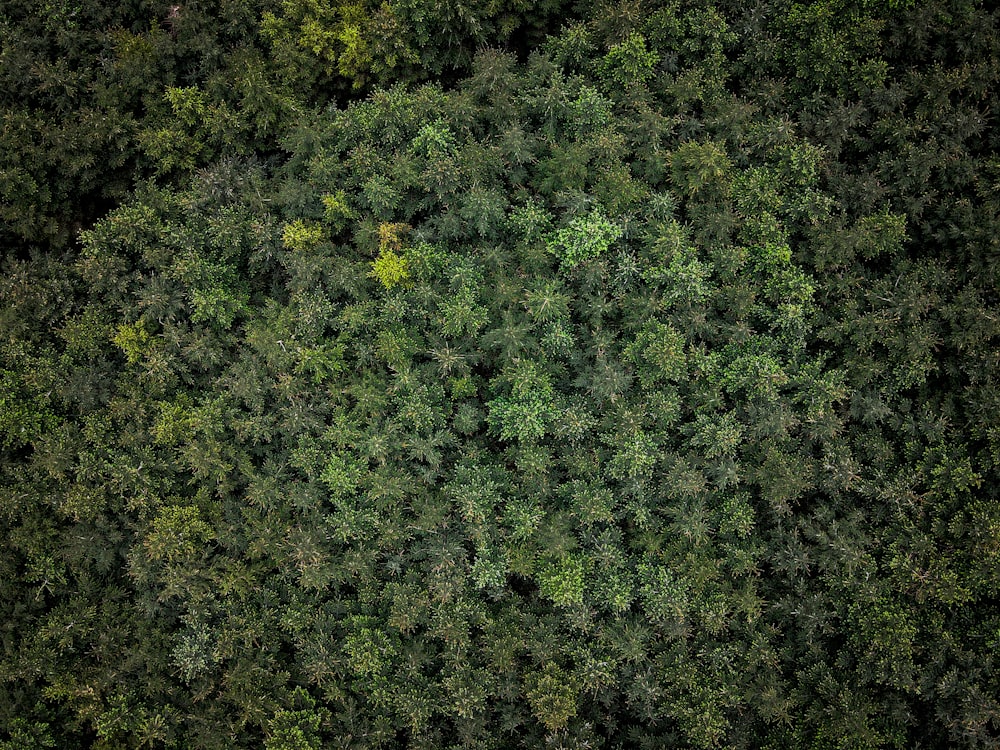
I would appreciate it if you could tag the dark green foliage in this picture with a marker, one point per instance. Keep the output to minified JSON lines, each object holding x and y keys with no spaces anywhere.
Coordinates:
{"x":638,"y":389}
{"x":96,"y":96}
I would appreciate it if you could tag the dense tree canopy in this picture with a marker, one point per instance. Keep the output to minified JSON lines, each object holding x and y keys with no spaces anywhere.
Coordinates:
{"x":500,"y":374}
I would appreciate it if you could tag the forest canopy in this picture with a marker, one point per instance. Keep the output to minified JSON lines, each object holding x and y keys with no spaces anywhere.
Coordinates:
{"x":493,"y":375}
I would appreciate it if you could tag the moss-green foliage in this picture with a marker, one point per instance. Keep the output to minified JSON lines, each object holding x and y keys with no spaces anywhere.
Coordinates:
{"x":390,"y":268}
{"x":301,"y":236}
{"x":633,"y":387}
{"x":95,"y":96}
{"x":585,"y":238}
{"x":177,"y":532}
{"x":552,"y":697}
{"x":23,"y":416}
{"x":134,"y":341}
{"x":401,"y":40}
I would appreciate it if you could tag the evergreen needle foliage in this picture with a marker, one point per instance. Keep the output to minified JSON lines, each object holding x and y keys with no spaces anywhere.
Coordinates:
{"x":423,"y":374}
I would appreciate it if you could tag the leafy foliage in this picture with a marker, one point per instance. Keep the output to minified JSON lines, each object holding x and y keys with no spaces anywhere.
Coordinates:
{"x":633,"y":388}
